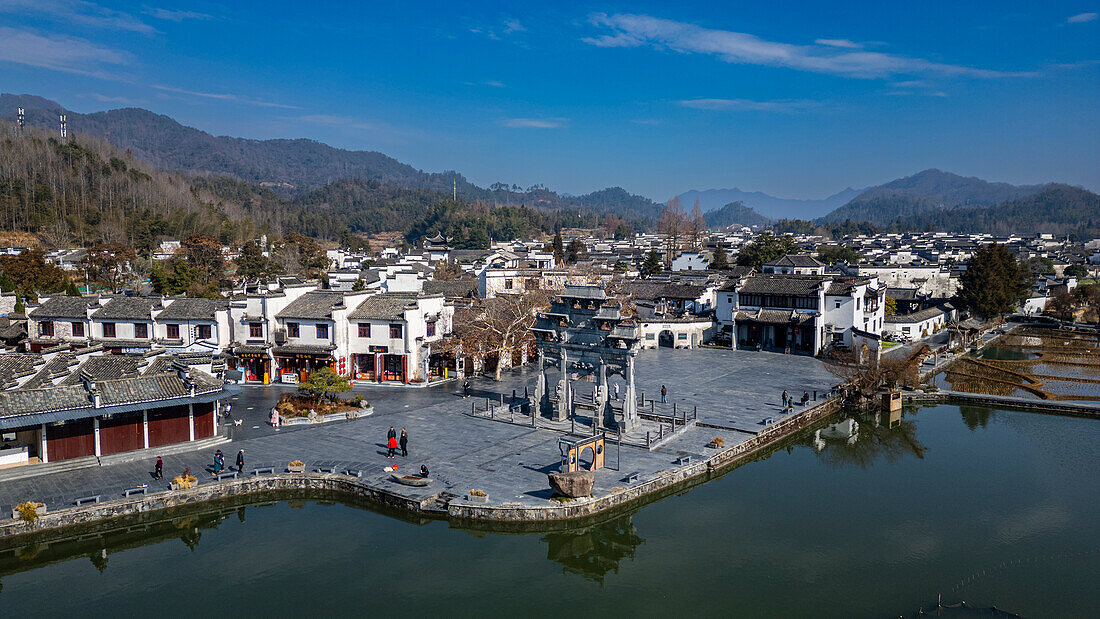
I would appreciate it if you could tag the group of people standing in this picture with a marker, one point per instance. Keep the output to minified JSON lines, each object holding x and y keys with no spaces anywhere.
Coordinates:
{"x":392,"y":442}
{"x":219,"y":462}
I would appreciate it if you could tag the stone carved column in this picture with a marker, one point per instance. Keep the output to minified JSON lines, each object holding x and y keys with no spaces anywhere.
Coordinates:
{"x":630,"y":400}
{"x":565,"y":397}
{"x":542,"y":398}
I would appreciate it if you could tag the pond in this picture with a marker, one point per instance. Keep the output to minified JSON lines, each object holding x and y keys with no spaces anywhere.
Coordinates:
{"x":994,"y":507}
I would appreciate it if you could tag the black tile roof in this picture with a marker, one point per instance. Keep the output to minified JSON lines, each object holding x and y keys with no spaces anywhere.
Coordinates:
{"x":192,"y":309}
{"x":315,"y":305}
{"x":62,"y":307}
{"x":389,"y":306}
{"x":657,"y":290}
{"x":17,"y":365}
{"x":106,"y":367}
{"x":127,"y":308}
{"x":452,"y":289}
{"x":920,"y":316}
{"x":797,"y":285}
{"x":796,"y":260}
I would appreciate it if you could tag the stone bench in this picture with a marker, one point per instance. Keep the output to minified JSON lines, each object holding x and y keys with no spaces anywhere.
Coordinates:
{"x":325,"y":469}
{"x":132,"y":491}
{"x":226,"y":475}
{"x":264,"y":470}
{"x":357,"y":473}
{"x":683,"y":460}
{"x":84,"y":500}
{"x":632,"y":477}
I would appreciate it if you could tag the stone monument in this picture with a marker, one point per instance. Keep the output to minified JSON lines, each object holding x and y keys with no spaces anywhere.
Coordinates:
{"x":584,"y":333}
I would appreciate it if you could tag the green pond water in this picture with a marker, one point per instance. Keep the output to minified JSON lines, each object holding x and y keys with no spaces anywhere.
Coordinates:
{"x":992,"y":507}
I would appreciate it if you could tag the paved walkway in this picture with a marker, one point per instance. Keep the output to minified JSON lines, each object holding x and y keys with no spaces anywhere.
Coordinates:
{"x":510,"y":462}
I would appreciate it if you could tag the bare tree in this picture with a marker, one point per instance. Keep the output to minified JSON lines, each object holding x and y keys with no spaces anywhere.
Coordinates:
{"x":672,"y":223}
{"x":499,"y":325}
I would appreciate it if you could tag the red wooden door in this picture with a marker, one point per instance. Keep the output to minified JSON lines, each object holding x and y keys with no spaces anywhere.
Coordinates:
{"x":121,"y":433}
{"x":204,"y":420}
{"x":74,"y":439}
{"x":168,"y":426}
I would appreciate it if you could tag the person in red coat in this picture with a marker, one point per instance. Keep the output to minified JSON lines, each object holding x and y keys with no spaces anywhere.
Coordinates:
{"x":391,"y":442}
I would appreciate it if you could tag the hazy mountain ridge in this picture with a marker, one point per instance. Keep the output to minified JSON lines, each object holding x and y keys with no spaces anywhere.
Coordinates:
{"x":768,"y":205}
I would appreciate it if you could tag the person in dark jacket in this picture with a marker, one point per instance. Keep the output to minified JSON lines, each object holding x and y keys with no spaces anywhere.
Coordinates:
{"x":240,"y":462}
{"x":391,"y":442}
{"x":423,"y":470}
{"x":466,"y":389}
{"x":158,"y":469}
{"x":664,"y":394}
{"x":404,"y":443}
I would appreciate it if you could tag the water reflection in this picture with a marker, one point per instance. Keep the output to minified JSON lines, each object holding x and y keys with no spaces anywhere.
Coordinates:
{"x":594,"y":551}
{"x":861,"y":440}
{"x":975,"y":416}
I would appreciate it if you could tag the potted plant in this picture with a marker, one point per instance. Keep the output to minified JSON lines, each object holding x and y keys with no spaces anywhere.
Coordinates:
{"x":185,"y":481}
{"x":29,"y":511}
{"x":717,"y":443}
{"x":478,"y":496}
{"x":296,"y":466}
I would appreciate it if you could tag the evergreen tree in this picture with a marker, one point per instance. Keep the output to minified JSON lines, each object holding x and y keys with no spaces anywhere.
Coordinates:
{"x":766,"y":248}
{"x":71,"y":290}
{"x":721,"y":260}
{"x":20,"y":307}
{"x":575,"y":251}
{"x":994,"y":282}
{"x":558,"y":246}
{"x":652,"y":264}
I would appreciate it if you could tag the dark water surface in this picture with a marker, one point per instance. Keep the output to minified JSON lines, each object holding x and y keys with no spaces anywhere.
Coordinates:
{"x":988,"y":506}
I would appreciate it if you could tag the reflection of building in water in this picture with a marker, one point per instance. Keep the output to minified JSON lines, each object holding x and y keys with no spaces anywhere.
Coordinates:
{"x":594,"y":551}
{"x":846,"y":431}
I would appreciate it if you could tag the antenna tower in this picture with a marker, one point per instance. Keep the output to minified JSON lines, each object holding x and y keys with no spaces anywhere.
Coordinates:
{"x":454,"y":190}
{"x":64,"y":128}
{"x":21,"y":122}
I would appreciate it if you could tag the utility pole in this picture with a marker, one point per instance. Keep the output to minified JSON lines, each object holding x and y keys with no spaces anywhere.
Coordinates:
{"x":454,"y":189}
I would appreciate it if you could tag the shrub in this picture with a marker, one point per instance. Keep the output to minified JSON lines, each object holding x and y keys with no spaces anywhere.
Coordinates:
{"x":719,"y":441}
{"x":297,"y":463}
{"x":476,"y":492}
{"x":28,"y":511}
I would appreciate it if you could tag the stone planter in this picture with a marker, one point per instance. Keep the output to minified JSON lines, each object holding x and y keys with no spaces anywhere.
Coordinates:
{"x":176,"y":486}
{"x":713,"y":445}
{"x":296,"y":468}
{"x":40,"y":510}
{"x":477,"y":498}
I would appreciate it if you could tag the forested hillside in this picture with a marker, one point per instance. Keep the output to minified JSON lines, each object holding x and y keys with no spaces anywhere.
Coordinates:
{"x":1057,"y":209}
{"x":735,"y":213}
{"x":924,"y":192}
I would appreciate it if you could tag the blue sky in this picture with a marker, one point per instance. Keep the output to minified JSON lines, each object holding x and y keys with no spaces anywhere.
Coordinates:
{"x":794,"y":99}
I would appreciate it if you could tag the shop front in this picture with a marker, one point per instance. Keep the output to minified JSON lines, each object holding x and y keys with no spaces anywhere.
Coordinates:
{"x":254,"y":364}
{"x":378,"y":364}
{"x":296,"y":363}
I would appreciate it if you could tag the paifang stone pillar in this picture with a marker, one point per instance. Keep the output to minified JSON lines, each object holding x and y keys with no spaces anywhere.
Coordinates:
{"x":565,"y":400}
{"x":630,"y":400}
{"x":541,"y":400}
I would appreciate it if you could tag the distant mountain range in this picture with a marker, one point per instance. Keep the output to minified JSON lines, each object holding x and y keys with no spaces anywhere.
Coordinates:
{"x":766,"y":205}
{"x":924,"y":192}
{"x":294,"y":167}
{"x":311,"y":187}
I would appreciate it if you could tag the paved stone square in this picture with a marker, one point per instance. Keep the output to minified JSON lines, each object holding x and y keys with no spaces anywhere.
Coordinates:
{"x":736,"y":389}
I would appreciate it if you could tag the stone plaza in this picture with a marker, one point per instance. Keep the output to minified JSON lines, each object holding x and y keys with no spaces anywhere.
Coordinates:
{"x":735,"y":394}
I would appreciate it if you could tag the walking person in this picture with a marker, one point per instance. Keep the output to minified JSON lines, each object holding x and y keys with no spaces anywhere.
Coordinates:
{"x":391,"y":442}
{"x":664,"y":395}
{"x":466,"y":389}
{"x":616,"y":392}
{"x":240,"y":462}
{"x":275,"y":418}
{"x":404,"y":443}
{"x":158,"y":469}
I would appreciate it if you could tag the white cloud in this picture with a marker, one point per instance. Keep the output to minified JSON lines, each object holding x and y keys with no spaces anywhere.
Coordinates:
{"x":742,"y":48}
{"x":1081,"y":18}
{"x":845,"y":43}
{"x":535,"y":123}
{"x":56,"y":52}
{"x":223,"y":97}
{"x":175,"y":15}
{"x":494,"y":84}
{"x":747,"y":105}
{"x":79,"y":12}
{"x":513,"y":25}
